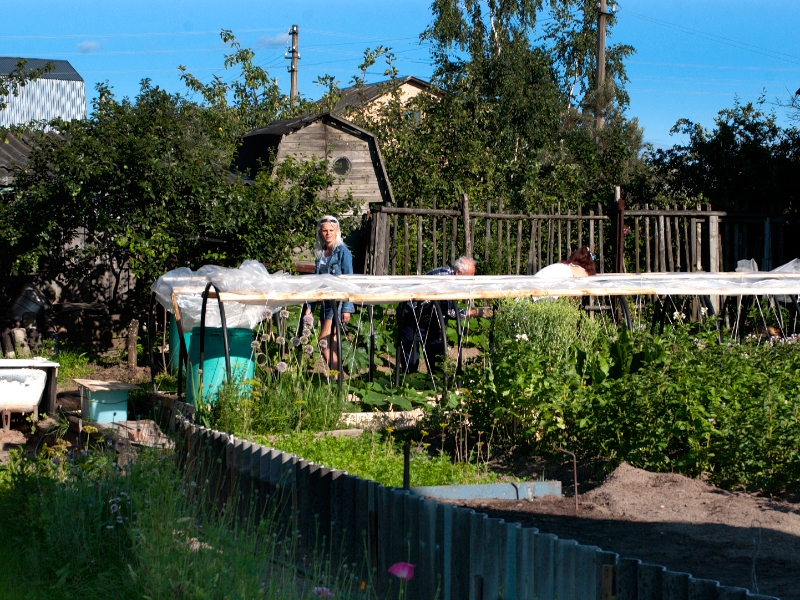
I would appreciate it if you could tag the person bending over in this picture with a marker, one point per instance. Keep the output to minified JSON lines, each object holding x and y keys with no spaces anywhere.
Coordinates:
{"x":578,"y":264}
{"x":419,"y":322}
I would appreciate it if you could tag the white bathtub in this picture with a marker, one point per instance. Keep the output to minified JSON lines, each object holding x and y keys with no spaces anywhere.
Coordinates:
{"x":21,"y":389}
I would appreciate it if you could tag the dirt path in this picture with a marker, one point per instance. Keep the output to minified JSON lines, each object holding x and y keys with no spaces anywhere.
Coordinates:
{"x":681,"y":523}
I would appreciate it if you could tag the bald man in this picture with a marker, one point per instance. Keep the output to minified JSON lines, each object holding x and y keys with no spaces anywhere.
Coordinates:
{"x":420,"y":324}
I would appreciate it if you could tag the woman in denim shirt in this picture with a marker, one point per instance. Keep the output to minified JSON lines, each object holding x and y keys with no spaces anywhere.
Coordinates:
{"x":333,"y":258}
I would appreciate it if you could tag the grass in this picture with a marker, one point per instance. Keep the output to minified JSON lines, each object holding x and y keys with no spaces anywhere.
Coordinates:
{"x":379,"y":457}
{"x":73,"y":362}
{"x":86,"y":529}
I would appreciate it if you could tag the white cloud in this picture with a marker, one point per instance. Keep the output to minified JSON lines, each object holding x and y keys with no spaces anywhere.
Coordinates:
{"x":87,"y":47}
{"x":279,"y":40}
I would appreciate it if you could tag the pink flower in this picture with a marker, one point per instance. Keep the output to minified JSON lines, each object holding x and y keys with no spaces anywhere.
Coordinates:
{"x":323,"y":592}
{"x":402,"y":570}
{"x":308,"y":319}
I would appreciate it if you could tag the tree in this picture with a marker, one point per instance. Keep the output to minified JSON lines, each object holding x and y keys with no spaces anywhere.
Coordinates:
{"x":504,"y":121}
{"x":145,"y":179}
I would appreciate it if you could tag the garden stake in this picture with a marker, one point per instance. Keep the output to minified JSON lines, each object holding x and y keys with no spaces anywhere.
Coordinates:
{"x":371,"y":312}
{"x":407,"y":466}
{"x":574,"y":471}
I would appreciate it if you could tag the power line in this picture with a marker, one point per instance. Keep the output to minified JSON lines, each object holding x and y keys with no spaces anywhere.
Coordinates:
{"x":720,"y":39}
{"x":126,"y":35}
{"x":696,"y":66}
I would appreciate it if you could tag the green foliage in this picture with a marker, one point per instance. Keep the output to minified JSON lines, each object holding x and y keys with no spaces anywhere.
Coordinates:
{"x":145,"y":179}
{"x":86,"y":529}
{"x":74,"y":363}
{"x":380,"y":458}
{"x":679,"y":402}
{"x":550,"y":326}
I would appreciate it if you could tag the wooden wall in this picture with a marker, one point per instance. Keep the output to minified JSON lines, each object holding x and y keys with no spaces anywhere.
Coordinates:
{"x":321,"y":139}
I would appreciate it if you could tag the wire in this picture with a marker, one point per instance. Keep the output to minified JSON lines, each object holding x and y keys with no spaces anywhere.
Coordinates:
{"x":127,"y":35}
{"x":720,"y":39}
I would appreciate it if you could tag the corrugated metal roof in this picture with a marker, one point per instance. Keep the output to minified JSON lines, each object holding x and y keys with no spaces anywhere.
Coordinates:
{"x":63,"y":70}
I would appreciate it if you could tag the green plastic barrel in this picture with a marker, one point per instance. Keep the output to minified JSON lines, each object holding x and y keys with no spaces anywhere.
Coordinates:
{"x":214,"y":375}
{"x":175,"y":344}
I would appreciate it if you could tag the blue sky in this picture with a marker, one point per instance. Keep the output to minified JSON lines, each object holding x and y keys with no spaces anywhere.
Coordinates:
{"x":693,"y":56}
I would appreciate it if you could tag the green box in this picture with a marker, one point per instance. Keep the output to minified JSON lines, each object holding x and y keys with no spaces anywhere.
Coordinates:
{"x":104,"y":401}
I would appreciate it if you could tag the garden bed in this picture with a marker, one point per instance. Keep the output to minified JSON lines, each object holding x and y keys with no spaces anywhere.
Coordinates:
{"x":682,"y":523}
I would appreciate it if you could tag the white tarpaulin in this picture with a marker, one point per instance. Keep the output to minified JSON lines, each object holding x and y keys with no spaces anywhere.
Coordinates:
{"x":250,"y":289}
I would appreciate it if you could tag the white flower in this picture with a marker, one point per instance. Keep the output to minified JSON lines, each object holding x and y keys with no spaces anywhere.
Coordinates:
{"x":284,"y":314}
{"x":522,"y":337}
{"x":678,"y":315}
{"x":703,"y":310}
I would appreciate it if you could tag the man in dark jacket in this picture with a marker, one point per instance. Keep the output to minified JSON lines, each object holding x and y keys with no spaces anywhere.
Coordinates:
{"x":419,"y":322}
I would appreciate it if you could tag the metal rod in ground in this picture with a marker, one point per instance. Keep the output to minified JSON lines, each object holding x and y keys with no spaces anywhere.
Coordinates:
{"x":407,"y":466}
{"x":574,"y":472}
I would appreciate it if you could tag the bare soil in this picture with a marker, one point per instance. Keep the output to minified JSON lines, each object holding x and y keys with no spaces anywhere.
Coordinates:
{"x":684,"y":524}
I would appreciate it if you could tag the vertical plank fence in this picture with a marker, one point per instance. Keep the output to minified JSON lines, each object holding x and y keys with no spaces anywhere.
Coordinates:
{"x":640,"y":239}
{"x":459,"y":553}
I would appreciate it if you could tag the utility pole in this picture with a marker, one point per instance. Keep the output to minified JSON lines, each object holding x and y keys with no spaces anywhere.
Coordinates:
{"x":601,"y":64}
{"x":294,"y":55}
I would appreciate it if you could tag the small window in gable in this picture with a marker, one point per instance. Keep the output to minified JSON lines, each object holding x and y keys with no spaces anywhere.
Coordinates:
{"x":341,"y":166}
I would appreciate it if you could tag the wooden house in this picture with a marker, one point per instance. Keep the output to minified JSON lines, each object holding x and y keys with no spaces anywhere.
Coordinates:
{"x":374,"y":95}
{"x":352,"y":152}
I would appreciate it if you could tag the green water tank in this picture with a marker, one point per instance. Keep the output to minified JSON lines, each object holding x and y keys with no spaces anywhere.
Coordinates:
{"x":175,"y":344}
{"x":214,"y":375}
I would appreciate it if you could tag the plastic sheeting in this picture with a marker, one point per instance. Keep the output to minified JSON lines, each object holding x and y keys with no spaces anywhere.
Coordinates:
{"x":250,"y":289}
{"x":188,"y":285}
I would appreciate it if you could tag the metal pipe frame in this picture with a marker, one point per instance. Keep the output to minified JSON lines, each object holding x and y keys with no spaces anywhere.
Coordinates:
{"x":224,"y":327}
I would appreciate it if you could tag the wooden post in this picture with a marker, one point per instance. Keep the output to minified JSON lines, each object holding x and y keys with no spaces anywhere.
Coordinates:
{"x":580,"y":227}
{"x":508,"y":246}
{"x":406,"y":249}
{"x":453,"y":236}
{"x":619,"y":244}
{"x":713,"y":253}
{"x":519,"y":244}
{"x":550,"y":236}
{"x":419,"y":241}
{"x":532,"y":248}
{"x":569,"y":234}
{"x":600,"y":240}
{"x":539,"y":241}
{"x":133,"y":333}
{"x":379,"y":244}
{"x":699,"y":241}
{"x":662,"y":249}
{"x":559,"y":231}
{"x":766,"y":261}
{"x":688,"y":254}
{"x":435,"y":244}
{"x":668,"y":241}
{"x":677,"y":242}
{"x":499,"y":252}
{"x":467,"y":223}
{"x":637,"y":241}
{"x":394,"y":245}
{"x":591,"y":231}
{"x":488,"y":237}
{"x":647,"y":241}
{"x":444,"y":239}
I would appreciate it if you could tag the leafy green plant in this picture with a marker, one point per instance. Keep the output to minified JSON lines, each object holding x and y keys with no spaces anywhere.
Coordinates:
{"x":551,"y":327}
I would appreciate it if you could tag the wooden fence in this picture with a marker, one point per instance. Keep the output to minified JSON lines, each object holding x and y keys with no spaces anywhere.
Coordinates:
{"x":413,"y":240}
{"x":459,"y":554}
